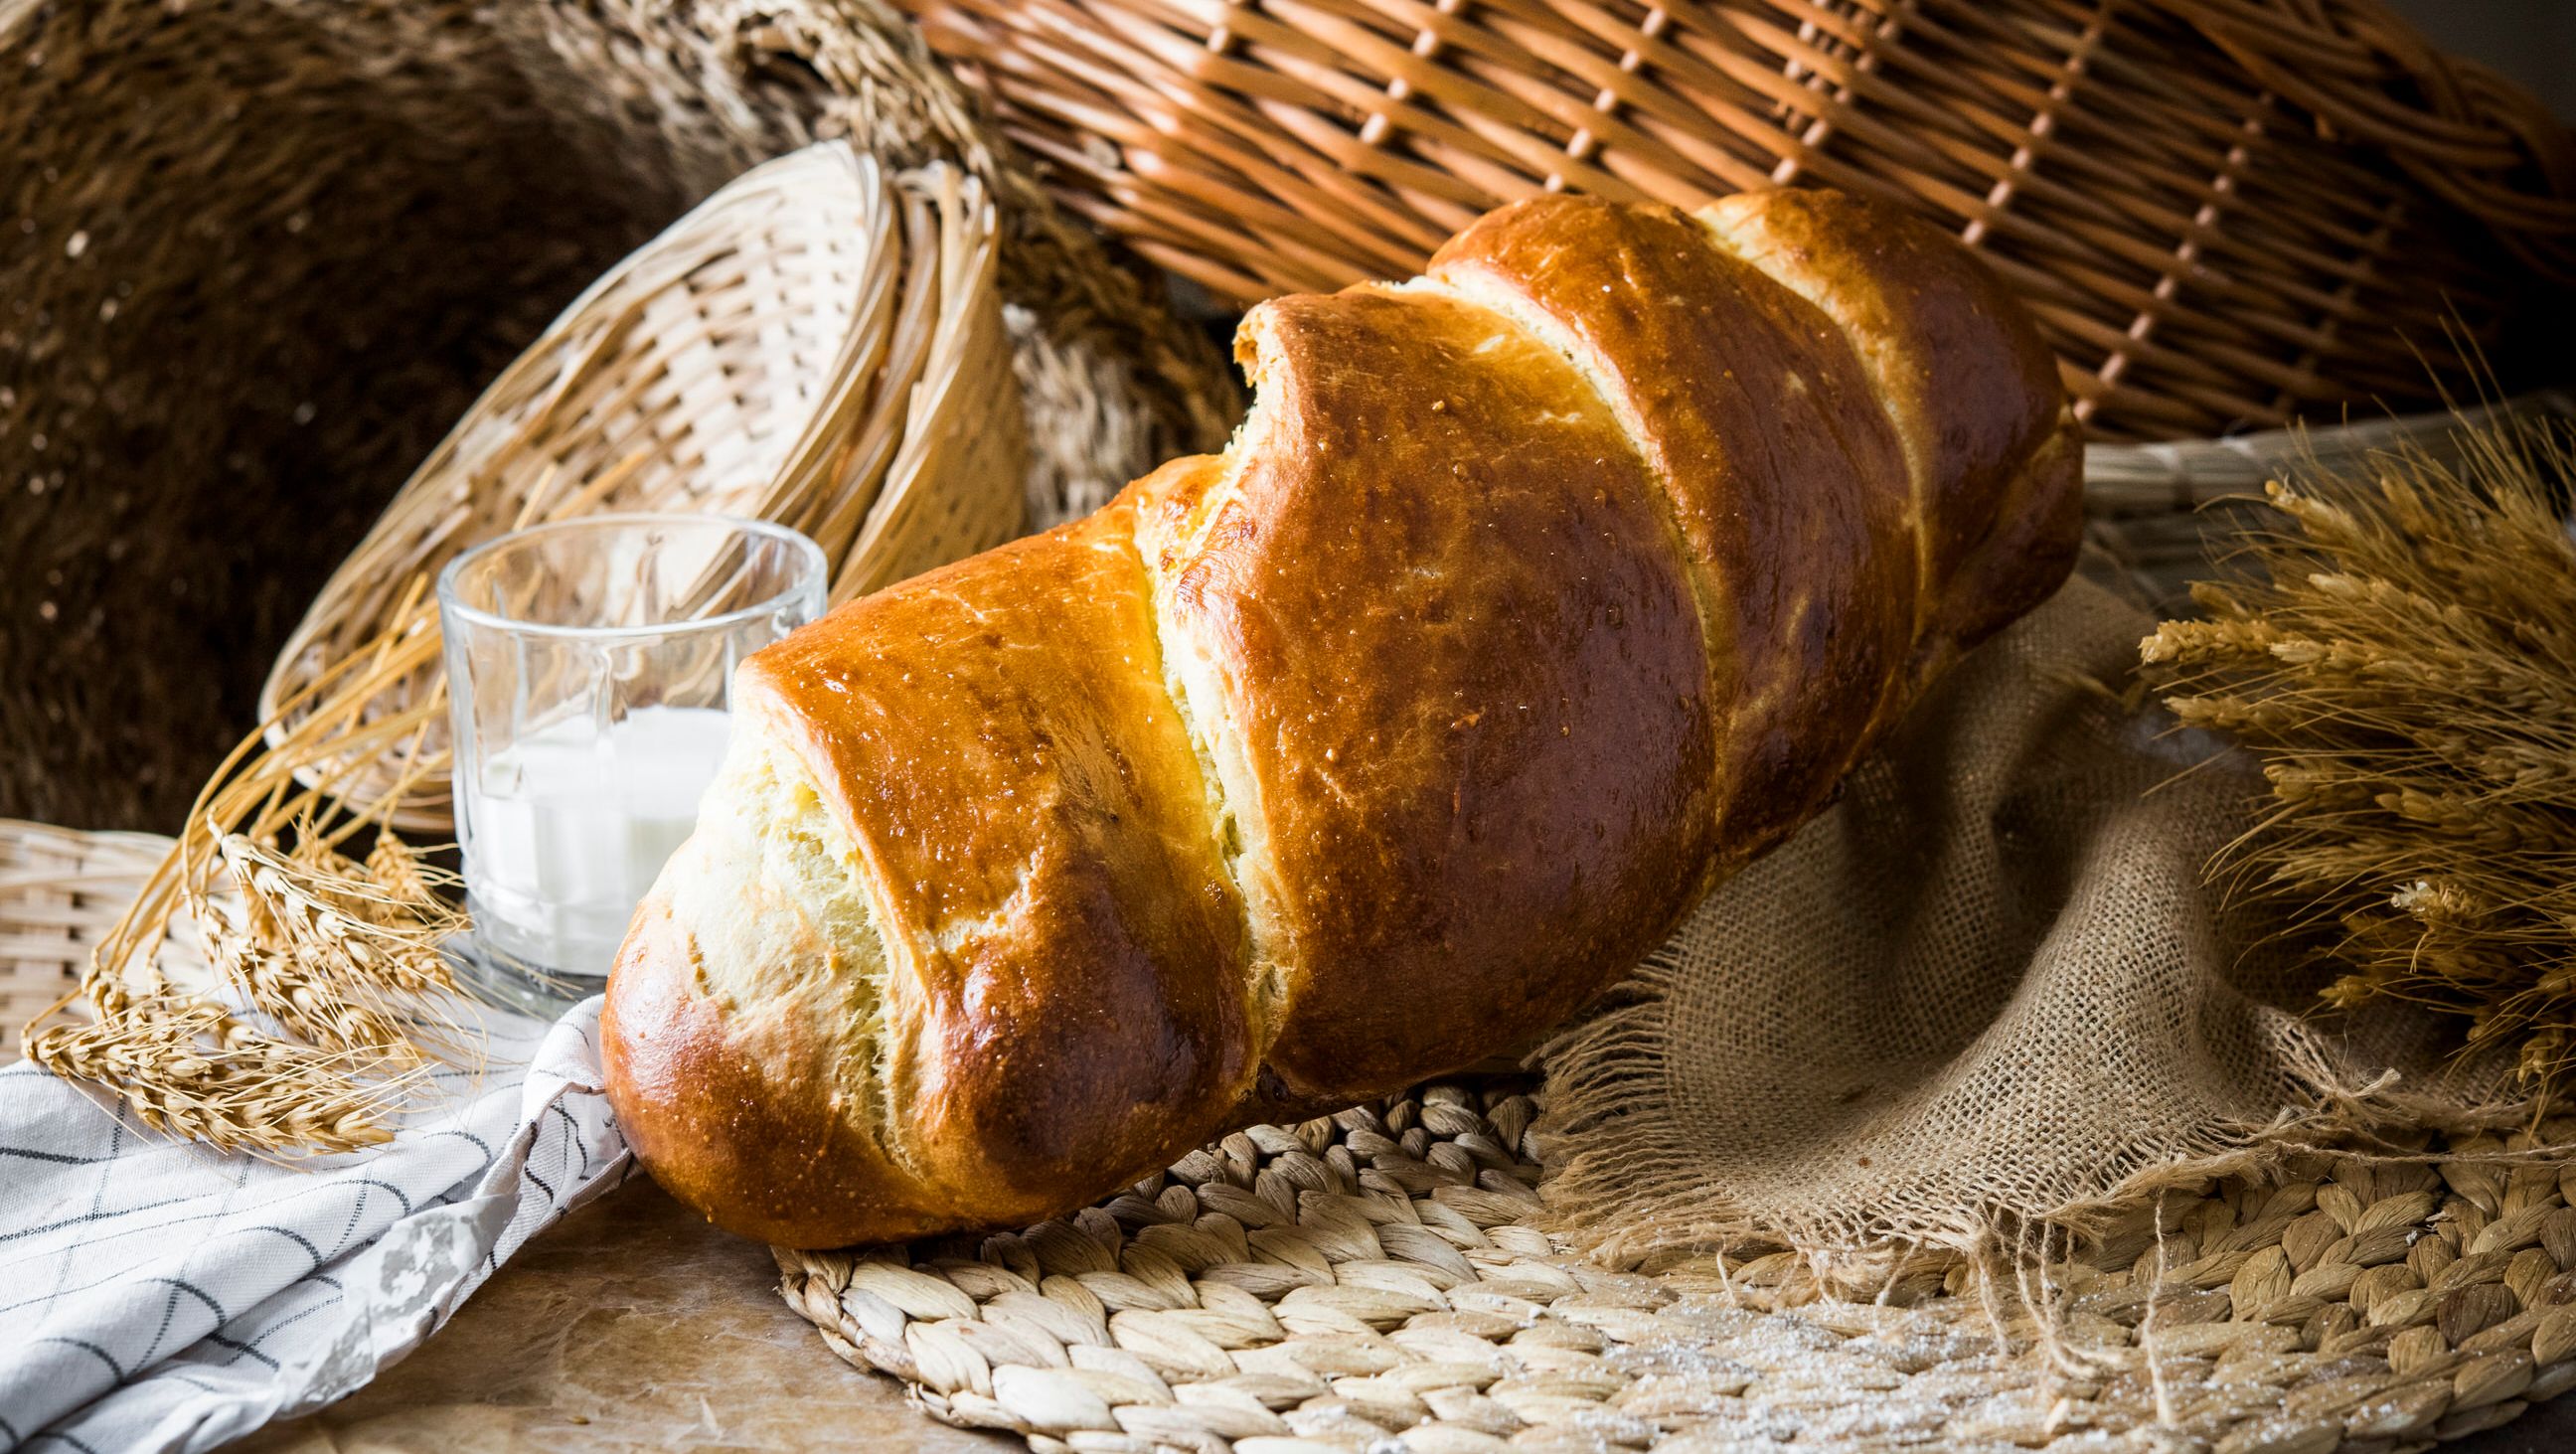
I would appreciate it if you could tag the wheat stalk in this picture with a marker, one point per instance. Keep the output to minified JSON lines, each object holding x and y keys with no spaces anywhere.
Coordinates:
{"x":341,"y":954}
{"x":2401,"y":654}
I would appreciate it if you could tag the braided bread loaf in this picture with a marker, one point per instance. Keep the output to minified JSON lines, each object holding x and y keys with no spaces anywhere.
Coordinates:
{"x":1535,"y":595}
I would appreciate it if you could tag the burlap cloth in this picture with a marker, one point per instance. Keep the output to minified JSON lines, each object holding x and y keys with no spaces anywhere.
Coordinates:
{"x":1989,"y":990}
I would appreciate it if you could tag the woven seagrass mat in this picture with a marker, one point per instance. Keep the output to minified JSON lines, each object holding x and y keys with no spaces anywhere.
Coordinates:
{"x":1379,"y":1276}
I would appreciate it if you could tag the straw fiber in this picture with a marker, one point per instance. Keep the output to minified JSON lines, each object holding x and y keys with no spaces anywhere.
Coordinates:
{"x":261,"y":254}
{"x":820,"y":344}
{"x":2220,"y":210}
{"x":2153,"y":509}
{"x":1381,"y":1279}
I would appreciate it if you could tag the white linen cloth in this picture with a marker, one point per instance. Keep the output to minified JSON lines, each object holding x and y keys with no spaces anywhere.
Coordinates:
{"x":157,"y":1296}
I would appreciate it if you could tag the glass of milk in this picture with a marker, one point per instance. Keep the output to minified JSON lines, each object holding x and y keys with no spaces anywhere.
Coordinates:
{"x":588,"y":666}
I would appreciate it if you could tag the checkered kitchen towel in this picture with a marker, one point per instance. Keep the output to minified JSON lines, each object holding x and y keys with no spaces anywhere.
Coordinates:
{"x":156,"y":1296}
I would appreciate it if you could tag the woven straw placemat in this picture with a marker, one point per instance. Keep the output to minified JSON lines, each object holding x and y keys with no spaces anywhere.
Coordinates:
{"x":1378,"y":1279}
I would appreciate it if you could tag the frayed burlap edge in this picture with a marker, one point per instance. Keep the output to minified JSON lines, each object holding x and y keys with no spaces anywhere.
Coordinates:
{"x":1626,"y":1182}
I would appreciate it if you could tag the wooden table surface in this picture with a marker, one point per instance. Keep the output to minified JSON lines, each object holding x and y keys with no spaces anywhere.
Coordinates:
{"x":631,"y":1325}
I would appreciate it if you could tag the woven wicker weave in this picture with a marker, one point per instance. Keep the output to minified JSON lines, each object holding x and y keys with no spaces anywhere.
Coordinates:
{"x":262,"y":253}
{"x":1334,"y":1285}
{"x":61,"y":891}
{"x":2152,"y":509}
{"x":2221,"y":210}
{"x":819,"y":343}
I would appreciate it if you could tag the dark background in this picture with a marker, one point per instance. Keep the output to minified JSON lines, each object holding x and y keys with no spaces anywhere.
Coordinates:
{"x":2533,"y":41}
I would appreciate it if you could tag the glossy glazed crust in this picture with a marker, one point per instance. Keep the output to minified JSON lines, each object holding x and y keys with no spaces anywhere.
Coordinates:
{"x":1783,"y":470}
{"x":1069,"y":991}
{"x":1994,"y":456}
{"x":1064,"y":990}
{"x":1534,"y":595}
{"x":739,"y":1111}
{"x":1451,"y":628}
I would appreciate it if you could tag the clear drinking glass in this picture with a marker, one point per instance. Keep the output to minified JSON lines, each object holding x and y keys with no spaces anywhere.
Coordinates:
{"x":588,"y":666}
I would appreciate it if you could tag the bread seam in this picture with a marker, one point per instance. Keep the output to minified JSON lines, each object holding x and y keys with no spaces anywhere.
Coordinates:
{"x":796,"y":818}
{"x":1264,"y":969}
{"x":1261,"y":990}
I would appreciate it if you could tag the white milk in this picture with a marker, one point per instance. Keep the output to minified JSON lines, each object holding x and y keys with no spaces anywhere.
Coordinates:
{"x":569,"y":825}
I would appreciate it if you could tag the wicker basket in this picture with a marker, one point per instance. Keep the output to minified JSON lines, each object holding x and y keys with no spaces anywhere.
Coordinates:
{"x":2222,"y":210}
{"x":820,"y":343}
{"x":261,"y":254}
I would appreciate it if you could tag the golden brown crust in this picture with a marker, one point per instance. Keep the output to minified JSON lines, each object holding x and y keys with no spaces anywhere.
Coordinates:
{"x":1783,"y":470}
{"x":1064,"y":988}
{"x":1450,"y":620}
{"x":1533,"y":595}
{"x":997,"y":737}
{"x":736,"y":1113}
{"x":1992,"y":448}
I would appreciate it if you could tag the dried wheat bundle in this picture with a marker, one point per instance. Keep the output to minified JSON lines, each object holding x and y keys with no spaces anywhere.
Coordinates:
{"x":2403,"y":658}
{"x":336,"y":955}
{"x":820,"y":343}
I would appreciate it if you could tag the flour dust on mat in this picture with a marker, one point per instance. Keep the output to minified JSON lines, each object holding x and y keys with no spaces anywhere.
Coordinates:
{"x":1344,"y":1284}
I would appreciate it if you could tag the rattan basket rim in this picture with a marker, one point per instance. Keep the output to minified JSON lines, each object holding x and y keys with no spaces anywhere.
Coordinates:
{"x":2216,"y":208}
{"x":916,"y":338}
{"x":2183,"y":476}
